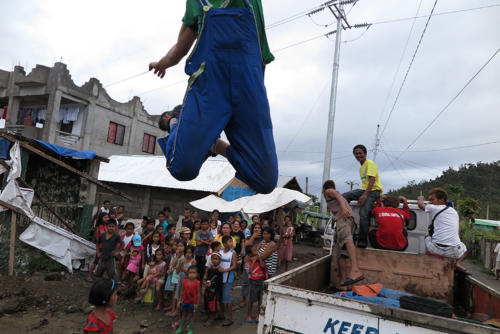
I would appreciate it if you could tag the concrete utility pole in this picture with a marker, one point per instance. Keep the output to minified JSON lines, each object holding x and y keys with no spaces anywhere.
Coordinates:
{"x":333,"y":101}
{"x":377,"y":143}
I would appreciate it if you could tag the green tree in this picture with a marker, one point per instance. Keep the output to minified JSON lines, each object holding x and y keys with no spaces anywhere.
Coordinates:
{"x":469,"y":208}
{"x":456,"y":191}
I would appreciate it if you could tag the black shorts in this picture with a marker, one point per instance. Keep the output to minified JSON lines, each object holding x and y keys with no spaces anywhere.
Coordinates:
{"x":255,"y":289}
{"x":372,"y":235}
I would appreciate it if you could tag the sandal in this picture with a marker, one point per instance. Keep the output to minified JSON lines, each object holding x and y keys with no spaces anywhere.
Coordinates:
{"x":227,"y":323}
{"x":249,"y":320}
{"x":351,"y":281}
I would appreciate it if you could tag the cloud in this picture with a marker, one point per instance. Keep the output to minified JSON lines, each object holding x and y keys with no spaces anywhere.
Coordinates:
{"x":112,"y":40}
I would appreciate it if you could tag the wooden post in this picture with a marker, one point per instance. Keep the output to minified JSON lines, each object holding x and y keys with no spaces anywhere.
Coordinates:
{"x":12,"y":242}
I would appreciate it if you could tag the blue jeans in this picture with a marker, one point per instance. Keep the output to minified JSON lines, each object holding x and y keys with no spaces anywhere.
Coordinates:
{"x":364,"y":210}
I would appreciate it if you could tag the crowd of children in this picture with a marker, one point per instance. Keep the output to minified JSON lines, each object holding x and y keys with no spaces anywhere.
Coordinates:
{"x":183,"y":271}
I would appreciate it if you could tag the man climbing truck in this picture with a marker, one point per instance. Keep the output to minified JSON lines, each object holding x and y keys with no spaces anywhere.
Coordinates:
{"x":225,"y":92}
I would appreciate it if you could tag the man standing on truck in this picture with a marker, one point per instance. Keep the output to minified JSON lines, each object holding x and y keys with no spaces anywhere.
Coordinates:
{"x":443,"y":238}
{"x":371,"y":189}
{"x":345,"y":225}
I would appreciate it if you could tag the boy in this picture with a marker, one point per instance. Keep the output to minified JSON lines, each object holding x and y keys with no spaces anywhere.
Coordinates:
{"x":108,"y":246}
{"x":139,"y":229}
{"x":203,"y":240}
{"x":148,"y":232}
{"x":186,"y":235}
{"x":213,"y":288}
{"x":227,"y":267}
{"x":215,"y":247}
{"x":345,"y":226}
{"x":188,"y":301}
{"x":256,"y":276}
{"x":162,"y":221}
{"x":171,"y":230}
{"x":240,"y":71}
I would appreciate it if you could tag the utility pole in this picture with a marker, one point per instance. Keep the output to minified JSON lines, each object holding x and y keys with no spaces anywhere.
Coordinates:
{"x":335,"y":8}
{"x":351,"y":183}
{"x":307,"y":184}
{"x":377,"y":143}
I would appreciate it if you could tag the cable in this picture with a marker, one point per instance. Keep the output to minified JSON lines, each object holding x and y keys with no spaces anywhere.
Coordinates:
{"x":408,"y":70}
{"x":162,"y":87}
{"x":126,"y":79}
{"x":400,"y":62}
{"x":435,"y":14}
{"x":298,"y":43}
{"x":450,"y":148}
{"x":449,"y":103}
{"x":307,"y":116}
{"x":393,"y":165}
{"x":359,"y":37}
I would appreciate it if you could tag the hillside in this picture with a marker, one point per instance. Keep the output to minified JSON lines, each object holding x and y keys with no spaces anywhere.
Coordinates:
{"x":479,"y":181}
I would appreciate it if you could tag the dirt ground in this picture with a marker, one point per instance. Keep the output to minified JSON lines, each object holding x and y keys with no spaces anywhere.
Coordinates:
{"x":54,"y":303}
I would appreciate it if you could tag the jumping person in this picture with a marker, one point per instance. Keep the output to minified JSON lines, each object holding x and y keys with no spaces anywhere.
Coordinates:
{"x":225,"y":92}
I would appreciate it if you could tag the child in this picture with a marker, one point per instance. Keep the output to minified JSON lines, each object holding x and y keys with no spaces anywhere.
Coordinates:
{"x":179,"y":256}
{"x":167,"y":295}
{"x":203,"y":240}
{"x":160,"y":230}
{"x":127,"y":242}
{"x":160,"y":254}
{"x":103,"y":295}
{"x":213,"y":227}
{"x":188,"y":303}
{"x":213,"y":288}
{"x":286,"y":248}
{"x":244,"y":228}
{"x":256,"y":277}
{"x":227,"y":267}
{"x":154,"y":245}
{"x":185,"y":263}
{"x":186,"y":235}
{"x":108,"y":246}
{"x":151,"y":275}
{"x":171,"y":230}
{"x":215,"y":247}
{"x":148,"y":232}
{"x":196,"y":229}
{"x":136,"y":262}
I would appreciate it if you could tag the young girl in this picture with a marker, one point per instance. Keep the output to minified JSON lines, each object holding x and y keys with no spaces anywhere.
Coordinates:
{"x":179,"y":256}
{"x":151,"y":275}
{"x":160,"y":254}
{"x":154,"y":245}
{"x":169,"y":288}
{"x":190,"y":296}
{"x":133,"y":265}
{"x":213,"y":228}
{"x":286,"y":248}
{"x":227,"y":266}
{"x":196,"y":228}
{"x":186,"y":235}
{"x":103,"y":295}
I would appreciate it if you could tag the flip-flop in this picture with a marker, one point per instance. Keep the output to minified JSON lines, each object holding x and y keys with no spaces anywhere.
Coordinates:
{"x":350,"y":281}
{"x":227,"y":323}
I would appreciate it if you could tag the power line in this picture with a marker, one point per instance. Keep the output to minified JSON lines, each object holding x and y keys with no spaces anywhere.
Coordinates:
{"x":408,"y":70}
{"x":449,"y":148}
{"x":162,"y":87}
{"x":126,"y":79}
{"x":400,"y":62}
{"x":449,"y":103}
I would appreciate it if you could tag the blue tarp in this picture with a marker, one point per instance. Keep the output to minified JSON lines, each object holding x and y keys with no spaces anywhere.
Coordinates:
{"x":231,"y":193}
{"x":386,"y":297}
{"x":4,"y":148}
{"x":68,"y":152}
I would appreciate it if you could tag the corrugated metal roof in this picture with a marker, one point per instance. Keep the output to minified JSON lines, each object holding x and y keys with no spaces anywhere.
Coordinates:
{"x":150,"y":170}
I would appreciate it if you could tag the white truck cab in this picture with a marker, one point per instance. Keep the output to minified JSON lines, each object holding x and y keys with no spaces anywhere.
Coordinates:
{"x":417,"y":229}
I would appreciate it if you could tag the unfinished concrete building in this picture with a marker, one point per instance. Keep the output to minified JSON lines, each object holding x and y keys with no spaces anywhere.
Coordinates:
{"x":47,"y":105}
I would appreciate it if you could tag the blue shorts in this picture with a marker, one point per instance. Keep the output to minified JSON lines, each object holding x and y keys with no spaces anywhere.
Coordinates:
{"x":226,"y":293}
{"x":187,"y":307}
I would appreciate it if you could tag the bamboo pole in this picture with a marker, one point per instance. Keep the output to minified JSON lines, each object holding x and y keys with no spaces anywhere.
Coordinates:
{"x":12,"y":242}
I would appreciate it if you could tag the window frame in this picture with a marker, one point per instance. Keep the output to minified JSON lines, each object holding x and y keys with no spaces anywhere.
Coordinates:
{"x":148,"y":141}
{"x":113,"y":133}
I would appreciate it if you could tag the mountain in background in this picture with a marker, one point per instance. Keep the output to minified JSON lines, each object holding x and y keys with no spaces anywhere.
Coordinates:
{"x":479,"y":181}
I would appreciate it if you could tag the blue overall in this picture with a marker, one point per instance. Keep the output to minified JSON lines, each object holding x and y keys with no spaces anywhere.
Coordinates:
{"x":225,"y":92}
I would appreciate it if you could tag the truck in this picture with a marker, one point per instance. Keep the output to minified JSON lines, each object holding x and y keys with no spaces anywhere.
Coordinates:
{"x":301,"y":300}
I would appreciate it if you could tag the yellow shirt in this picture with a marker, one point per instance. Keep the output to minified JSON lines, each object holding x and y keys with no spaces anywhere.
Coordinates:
{"x":219,"y":239}
{"x":367,"y":169}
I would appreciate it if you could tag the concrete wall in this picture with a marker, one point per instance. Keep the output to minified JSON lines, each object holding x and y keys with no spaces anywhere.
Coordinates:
{"x":150,"y":200}
{"x":53,"y":87}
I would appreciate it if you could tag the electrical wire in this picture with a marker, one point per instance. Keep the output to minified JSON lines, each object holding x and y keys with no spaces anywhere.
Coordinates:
{"x":449,"y":148}
{"x":359,"y":37}
{"x":162,"y":87}
{"x":400,"y":63}
{"x":449,"y":103}
{"x":408,"y":70}
{"x":126,"y":79}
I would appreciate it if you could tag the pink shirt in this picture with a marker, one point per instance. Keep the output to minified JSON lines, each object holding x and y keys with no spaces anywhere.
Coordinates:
{"x":336,"y":209}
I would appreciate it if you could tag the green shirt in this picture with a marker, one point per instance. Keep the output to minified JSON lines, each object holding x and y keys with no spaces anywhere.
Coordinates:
{"x":192,"y":19}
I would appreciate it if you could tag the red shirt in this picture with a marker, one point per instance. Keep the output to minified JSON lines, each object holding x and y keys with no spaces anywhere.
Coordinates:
{"x":96,"y":325}
{"x":255,"y":272}
{"x":190,"y":292}
{"x":390,"y":225}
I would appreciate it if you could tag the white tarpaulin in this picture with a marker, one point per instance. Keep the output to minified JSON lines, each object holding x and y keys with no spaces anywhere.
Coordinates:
{"x":255,"y":204}
{"x":19,"y":197}
{"x":59,"y":244}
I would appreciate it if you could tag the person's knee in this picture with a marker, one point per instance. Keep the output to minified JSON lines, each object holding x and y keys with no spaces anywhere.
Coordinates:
{"x":183,"y":170}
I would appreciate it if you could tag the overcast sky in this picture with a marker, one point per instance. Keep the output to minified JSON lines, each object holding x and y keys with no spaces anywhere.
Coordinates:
{"x":112,"y":40}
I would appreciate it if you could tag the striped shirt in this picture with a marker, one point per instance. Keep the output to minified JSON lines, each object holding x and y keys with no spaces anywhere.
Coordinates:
{"x":271,"y":261}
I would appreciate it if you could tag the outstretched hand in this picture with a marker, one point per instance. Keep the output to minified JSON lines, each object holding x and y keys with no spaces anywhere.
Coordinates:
{"x":158,"y":67}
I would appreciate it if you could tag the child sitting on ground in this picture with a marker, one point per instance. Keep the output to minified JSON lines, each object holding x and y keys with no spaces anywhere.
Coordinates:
{"x":213,"y":288}
{"x":256,"y":276}
{"x":103,"y":295}
{"x":188,"y":303}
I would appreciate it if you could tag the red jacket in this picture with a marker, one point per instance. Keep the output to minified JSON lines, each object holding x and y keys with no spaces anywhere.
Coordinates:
{"x":390,"y":225}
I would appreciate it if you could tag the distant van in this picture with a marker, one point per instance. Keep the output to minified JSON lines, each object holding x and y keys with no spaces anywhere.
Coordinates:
{"x":417,"y":228}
